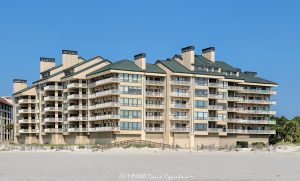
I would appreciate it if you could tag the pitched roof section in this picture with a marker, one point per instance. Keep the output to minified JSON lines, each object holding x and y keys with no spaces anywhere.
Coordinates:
{"x":152,"y":68}
{"x":175,"y":66}
{"x":125,"y":65}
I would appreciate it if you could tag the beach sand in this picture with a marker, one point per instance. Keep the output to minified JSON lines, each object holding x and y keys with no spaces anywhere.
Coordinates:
{"x":149,"y":164}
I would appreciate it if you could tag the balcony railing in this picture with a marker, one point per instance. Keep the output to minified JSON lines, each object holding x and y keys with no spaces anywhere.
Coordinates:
{"x":241,"y":131}
{"x":154,"y":129}
{"x":103,"y":117}
{"x":154,"y":94}
{"x":155,"y":82}
{"x":77,"y":85}
{"x":104,"y":93}
{"x":256,"y":91}
{"x":53,"y":98}
{"x":181,"y":106}
{"x":217,"y":85}
{"x":53,"y":120}
{"x":248,"y":101}
{"x":178,"y":129}
{"x":53,"y":87}
{"x":159,"y":118}
{"x":77,"y":118}
{"x":180,"y":94}
{"x":248,"y":121}
{"x":77,"y":107}
{"x":105,"y":105}
{"x":155,"y":106}
{"x":104,"y":81}
{"x":185,"y":118}
{"x":77,"y":96}
{"x":180,"y":82}
{"x":53,"y":130}
{"x":104,"y":129}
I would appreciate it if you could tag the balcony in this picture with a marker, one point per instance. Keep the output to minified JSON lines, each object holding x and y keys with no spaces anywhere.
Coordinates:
{"x":77,"y":118}
{"x":28,"y":131}
{"x":155,"y":106}
{"x":216,"y":96}
{"x":157,"y":118}
{"x":53,"y":87}
{"x":180,"y":94}
{"x":77,"y":85}
{"x":216,"y":130}
{"x":104,"y":93}
{"x":77,"y":107}
{"x":178,"y":129}
{"x":53,"y":98}
{"x":241,"y":131}
{"x":248,"y":101}
{"x":217,"y":85}
{"x":256,"y":91}
{"x":53,"y":120}
{"x":104,"y":105}
{"x":104,"y":129}
{"x":180,"y":106}
{"x":104,"y":117}
{"x":28,"y":111}
{"x":77,"y":96}
{"x":26,"y":101}
{"x":248,"y":121}
{"x":216,"y":107}
{"x":77,"y":129}
{"x":104,"y":81}
{"x":154,"y":129}
{"x":28,"y":121}
{"x":185,"y":118}
{"x":180,"y":82}
{"x":155,"y":82}
{"x":53,"y":130}
{"x":154,"y":94}
{"x":53,"y":109}
{"x":235,"y":88}
{"x":235,"y":99}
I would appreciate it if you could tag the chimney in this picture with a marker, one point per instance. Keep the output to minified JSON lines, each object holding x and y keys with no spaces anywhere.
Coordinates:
{"x":140,"y":60}
{"x":69,"y":58}
{"x":209,"y":53}
{"x":19,"y":84}
{"x":46,"y":63}
{"x":188,"y":57}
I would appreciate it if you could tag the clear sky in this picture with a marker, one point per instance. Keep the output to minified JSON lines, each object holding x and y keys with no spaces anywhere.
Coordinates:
{"x":262,"y":36}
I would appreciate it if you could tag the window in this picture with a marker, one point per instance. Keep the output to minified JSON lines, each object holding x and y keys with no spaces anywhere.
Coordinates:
{"x":201,"y":104}
{"x":200,"y":115}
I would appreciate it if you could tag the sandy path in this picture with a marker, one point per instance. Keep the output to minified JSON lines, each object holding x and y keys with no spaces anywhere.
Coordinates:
{"x":152,"y":165}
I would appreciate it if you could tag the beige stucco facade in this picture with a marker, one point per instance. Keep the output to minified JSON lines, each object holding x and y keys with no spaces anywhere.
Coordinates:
{"x":96,"y":102}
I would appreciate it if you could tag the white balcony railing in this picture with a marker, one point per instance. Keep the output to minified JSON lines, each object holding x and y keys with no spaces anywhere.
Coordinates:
{"x":154,"y":94}
{"x":180,"y":94}
{"x":185,"y":118}
{"x":77,"y":85}
{"x":241,"y":131}
{"x":104,"y":81}
{"x":104,"y":93}
{"x":104,"y":105}
{"x":104,"y":117}
{"x":77,"y":96}
{"x":155,"y":106}
{"x":103,"y":129}
{"x":77,"y":118}
{"x":159,"y":118}
{"x":154,"y":129}
{"x":178,"y":129}
{"x":248,"y":121}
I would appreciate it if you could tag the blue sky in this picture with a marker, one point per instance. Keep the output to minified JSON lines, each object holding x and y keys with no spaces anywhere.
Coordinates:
{"x":260,"y":36}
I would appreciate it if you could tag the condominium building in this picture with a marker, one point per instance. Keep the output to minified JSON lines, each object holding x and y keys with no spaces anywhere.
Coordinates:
{"x":189,"y":100}
{"x":6,"y":119}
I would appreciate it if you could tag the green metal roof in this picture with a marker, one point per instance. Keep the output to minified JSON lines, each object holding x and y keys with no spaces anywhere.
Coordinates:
{"x":125,"y":65}
{"x":152,"y":68}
